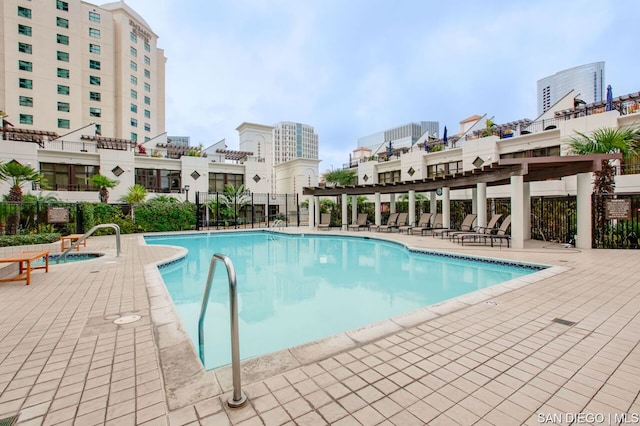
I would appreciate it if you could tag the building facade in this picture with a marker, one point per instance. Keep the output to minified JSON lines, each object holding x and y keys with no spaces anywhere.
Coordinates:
{"x":293,"y":141}
{"x":587,"y":82}
{"x":68,"y":64}
{"x":403,"y":136}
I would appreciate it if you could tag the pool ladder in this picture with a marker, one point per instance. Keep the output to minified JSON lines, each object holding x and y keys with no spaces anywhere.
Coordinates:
{"x":278,"y":223}
{"x":238,"y":399}
{"x":88,"y":234}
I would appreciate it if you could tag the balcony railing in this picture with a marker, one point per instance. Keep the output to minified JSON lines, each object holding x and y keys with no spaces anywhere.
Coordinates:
{"x":61,"y":145}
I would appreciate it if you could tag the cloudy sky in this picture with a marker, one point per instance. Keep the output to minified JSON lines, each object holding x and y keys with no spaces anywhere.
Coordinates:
{"x":351,"y":68}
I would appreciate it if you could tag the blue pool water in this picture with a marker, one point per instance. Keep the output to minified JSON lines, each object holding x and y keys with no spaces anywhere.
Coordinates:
{"x":294,"y":289}
{"x":71,"y":257}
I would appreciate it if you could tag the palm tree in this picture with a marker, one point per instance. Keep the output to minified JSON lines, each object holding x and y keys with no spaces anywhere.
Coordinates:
{"x":135,"y":195}
{"x":341,"y":177}
{"x":18,"y":174}
{"x":104,"y":183}
{"x":164,"y":199}
{"x":230,"y":202}
{"x":606,"y":141}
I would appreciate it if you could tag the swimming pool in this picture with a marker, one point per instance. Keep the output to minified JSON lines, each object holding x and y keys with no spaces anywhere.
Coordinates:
{"x":293,"y":289}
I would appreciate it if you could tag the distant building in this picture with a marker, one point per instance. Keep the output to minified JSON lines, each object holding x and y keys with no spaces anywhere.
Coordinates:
{"x":294,"y":141}
{"x":402,"y":136}
{"x":179,"y":140}
{"x":586,"y":80}
{"x":69,"y":64}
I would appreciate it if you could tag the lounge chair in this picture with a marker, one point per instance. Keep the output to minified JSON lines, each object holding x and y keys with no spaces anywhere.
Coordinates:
{"x":393,"y":217}
{"x":325,"y":221}
{"x":480,"y":232}
{"x":435,"y":224}
{"x":501,"y":233}
{"x":361,"y":223}
{"x":400,"y":220}
{"x":423,"y":222}
{"x":466,"y":226}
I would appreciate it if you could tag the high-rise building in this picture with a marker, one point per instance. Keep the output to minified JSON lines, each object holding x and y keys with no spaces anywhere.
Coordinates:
{"x":292,"y":141}
{"x":67,"y":64}
{"x":587,"y":81}
{"x":403,"y":136}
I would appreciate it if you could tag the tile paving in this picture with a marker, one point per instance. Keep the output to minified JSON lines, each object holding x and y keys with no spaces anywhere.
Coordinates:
{"x":63,"y":361}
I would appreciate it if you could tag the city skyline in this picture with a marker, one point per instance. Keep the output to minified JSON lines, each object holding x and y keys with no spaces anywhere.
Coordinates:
{"x":350,"y":70}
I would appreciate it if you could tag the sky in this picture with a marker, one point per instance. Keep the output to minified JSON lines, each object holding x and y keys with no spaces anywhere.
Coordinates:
{"x":351,"y":68}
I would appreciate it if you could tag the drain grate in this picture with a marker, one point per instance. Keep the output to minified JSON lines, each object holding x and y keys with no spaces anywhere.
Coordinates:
{"x":127,"y":319}
{"x":563,"y":321}
{"x":9,"y":421}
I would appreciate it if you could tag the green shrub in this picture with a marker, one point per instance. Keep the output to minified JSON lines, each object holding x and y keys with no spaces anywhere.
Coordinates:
{"x":99,"y":213}
{"x":158,"y":216}
{"x":23,"y":240}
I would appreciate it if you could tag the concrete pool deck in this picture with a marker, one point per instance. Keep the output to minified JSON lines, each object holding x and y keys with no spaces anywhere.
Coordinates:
{"x":492,"y":358}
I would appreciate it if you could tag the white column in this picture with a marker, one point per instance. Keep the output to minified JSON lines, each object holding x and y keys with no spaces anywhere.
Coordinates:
{"x":517,"y":212}
{"x":354,"y":209}
{"x":412,"y":207}
{"x":433,"y":203}
{"x":392,"y":203}
{"x":474,"y":201}
{"x":317,"y":209}
{"x":481,"y":195}
{"x":446,"y":207}
{"x":345,"y":212}
{"x":583,"y":211}
{"x":312,"y":209}
{"x":527,"y":210}
{"x":378,"y":218}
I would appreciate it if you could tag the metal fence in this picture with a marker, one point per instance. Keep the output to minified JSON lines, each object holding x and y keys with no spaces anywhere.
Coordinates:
{"x":615,"y":221}
{"x":28,"y":217}
{"x":554,"y":219}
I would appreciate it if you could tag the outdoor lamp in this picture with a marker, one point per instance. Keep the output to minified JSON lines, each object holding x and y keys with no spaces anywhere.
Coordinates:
{"x":186,"y":191}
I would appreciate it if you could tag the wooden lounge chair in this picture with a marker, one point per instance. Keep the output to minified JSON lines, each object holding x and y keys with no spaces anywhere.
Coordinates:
{"x":390,"y":226}
{"x":501,"y":233}
{"x":480,"y":233}
{"x":361,"y":223}
{"x":466,"y":226}
{"x":423,"y":222}
{"x":325,"y":221}
{"x":393,"y":217}
{"x":435,"y":224}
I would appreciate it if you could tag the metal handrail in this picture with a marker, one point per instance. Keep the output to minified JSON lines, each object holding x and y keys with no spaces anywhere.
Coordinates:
{"x":239,"y":398}
{"x":277,"y":223}
{"x":91,"y":231}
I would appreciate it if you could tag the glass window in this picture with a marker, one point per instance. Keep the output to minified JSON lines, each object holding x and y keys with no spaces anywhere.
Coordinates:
{"x":62,"y":39}
{"x":26,"y":119}
{"x":25,"y":66}
{"x":26,"y":101}
{"x":147,"y":87}
{"x":133,"y":66}
{"x":94,"y":96}
{"x":94,"y":17}
{"x":147,"y":127}
{"x":64,"y":123}
{"x":61,"y":22}
{"x":24,"y":48}
{"x":63,"y":56}
{"x":147,"y":46}
{"x":94,"y":33}
{"x":94,"y":48}
{"x":94,"y":80}
{"x":62,"y":5}
{"x":134,"y":122}
{"x":147,"y":113}
{"x":134,"y":136}
{"x":25,"y":83}
{"x":133,"y":51}
{"x":133,"y":37}
{"x":94,"y":65}
{"x":147,"y":100}
{"x":147,"y":61}
{"x":71,"y":177}
{"x":95,"y":112}
{"x":134,"y":108}
{"x":147,"y":138}
{"x":134,"y":80}
{"x":134,"y":94}
{"x":63,"y":90}
{"x":64,"y":106}
{"x":98,"y":129}
{"x":24,"y":30}
{"x":63,"y":73}
{"x":147,"y":73}
{"x":24,"y":12}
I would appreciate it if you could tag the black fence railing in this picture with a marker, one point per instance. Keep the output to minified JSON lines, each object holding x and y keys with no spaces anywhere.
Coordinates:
{"x":554,"y":219}
{"x":615,"y":219}
{"x":28,"y":217}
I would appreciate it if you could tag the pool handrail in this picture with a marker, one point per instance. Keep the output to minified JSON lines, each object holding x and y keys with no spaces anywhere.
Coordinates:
{"x":238,"y":398}
{"x":86,"y":235}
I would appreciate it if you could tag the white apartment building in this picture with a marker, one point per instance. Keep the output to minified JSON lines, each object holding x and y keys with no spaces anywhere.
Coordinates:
{"x":68,"y":64}
{"x":403,"y":136}
{"x":587,"y":82}
{"x":293,"y":141}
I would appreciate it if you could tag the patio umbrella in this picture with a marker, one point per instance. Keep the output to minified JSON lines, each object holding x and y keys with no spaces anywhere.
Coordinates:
{"x":444,"y":137}
{"x":389,"y":150}
{"x":609,"y":106}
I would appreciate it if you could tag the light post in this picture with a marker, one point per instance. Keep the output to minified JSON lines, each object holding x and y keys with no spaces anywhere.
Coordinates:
{"x":185,"y":189}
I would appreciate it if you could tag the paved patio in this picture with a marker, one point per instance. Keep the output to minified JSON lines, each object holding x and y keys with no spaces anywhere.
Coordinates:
{"x":499,"y":359}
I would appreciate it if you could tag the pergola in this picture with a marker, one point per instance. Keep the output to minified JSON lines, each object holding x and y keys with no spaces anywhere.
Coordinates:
{"x":516,"y":172}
